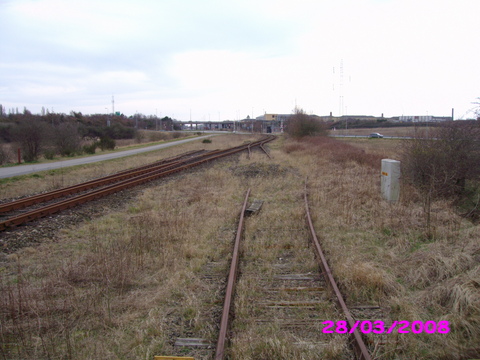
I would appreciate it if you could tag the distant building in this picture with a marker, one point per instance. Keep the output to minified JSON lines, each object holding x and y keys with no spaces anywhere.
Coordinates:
{"x":273,"y":117}
{"x":270,"y":123}
{"x":425,"y":118}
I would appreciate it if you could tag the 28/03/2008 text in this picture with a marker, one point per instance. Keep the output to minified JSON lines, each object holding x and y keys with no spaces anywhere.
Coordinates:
{"x":379,"y":327}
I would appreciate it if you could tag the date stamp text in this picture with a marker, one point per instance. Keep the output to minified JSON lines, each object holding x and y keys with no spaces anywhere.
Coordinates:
{"x":379,"y":327}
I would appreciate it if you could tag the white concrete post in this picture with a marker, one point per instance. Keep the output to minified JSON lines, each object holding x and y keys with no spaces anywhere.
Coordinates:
{"x":391,"y":180}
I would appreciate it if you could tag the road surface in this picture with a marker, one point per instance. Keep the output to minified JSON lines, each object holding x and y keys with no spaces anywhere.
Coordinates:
{"x":28,"y":169}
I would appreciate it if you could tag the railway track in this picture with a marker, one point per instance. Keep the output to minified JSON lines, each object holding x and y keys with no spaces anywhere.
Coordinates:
{"x":357,"y":342}
{"x":296,"y":303}
{"x":72,"y":196}
{"x":269,"y":293}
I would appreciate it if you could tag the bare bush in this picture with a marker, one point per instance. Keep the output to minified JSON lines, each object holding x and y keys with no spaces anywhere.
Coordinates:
{"x":106,"y":143}
{"x":444,"y":161}
{"x":30,"y":133}
{"x":300,"y":124}
{"x":177,"y":135}
{"x":5,"y":155}
{"x":66,"y":139}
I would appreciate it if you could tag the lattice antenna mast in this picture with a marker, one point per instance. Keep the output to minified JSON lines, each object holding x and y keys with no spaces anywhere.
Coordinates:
{"x":113,"y":105}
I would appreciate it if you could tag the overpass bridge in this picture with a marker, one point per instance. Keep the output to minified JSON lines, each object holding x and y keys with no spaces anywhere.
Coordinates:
{"x":246,"y":125}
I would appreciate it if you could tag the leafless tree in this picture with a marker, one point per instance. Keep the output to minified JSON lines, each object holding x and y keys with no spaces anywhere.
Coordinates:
{"x":445,"y":160}
{"x":444,"y":163}
{"x":30,"y":133}
{"x":300,"y":124}
{"x":66,"y":138}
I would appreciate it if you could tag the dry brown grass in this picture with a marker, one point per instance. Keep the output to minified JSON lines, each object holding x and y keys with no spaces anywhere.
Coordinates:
{"x":387,"y":131}
{"x":382,"y":250}
{"x":124,"y":285}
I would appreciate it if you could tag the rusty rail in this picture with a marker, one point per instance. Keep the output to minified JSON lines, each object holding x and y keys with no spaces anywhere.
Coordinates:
{"x":232,"y":278}
{"x":359,"y":346}
{"x":265,"y":151}
{"x":56,"y":194}
{"x":133,"y":179}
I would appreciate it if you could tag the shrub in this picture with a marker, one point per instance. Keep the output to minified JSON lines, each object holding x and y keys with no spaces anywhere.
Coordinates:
{"x":5,"y":134}
{"x":300,"y":125}
{"x":115,"y":131}
{"x":30,"y":133}
{"x":206,"y":141}
{"x":177,"y":134}
{"x":4,"y":155}
{"x":66,"y":139}
{"x":442,"y":161}
{"x":139,"y":136}
{"x":90,"y":149}
{"x":49,"y":154}
{"x":106,"y":143}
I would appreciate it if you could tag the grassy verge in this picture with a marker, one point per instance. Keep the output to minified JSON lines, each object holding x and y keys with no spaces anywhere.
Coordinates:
{"x":55,"y":179}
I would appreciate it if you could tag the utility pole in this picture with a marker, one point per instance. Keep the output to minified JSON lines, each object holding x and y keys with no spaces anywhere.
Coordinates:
{"x":341,"y":88}
{"x":108,"y":118}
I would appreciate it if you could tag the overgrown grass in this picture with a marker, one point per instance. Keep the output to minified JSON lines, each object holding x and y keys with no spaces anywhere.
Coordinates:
{"x":381,"y":255}
{"x":127,"y":284}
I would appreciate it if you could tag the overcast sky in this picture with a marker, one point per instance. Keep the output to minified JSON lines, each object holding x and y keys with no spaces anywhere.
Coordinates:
{"x":226,"y":59}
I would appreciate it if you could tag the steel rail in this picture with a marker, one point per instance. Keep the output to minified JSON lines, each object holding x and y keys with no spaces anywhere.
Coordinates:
{"x":56,"y":194}
{"x":137,"y":180}
{"x":232,"y":279}
{"x":265,"y":151}
{"x":359,"y":346}
{"x":70,"y":190}
{"x":114,"y":178}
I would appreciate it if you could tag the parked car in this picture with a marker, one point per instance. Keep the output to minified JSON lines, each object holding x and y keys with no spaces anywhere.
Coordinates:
{"x":375,"y":135}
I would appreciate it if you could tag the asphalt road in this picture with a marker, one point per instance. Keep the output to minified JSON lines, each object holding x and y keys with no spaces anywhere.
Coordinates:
{"x":28,"y":169}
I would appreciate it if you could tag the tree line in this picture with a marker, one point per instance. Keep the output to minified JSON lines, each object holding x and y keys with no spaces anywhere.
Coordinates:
{"x":53,"y":134}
